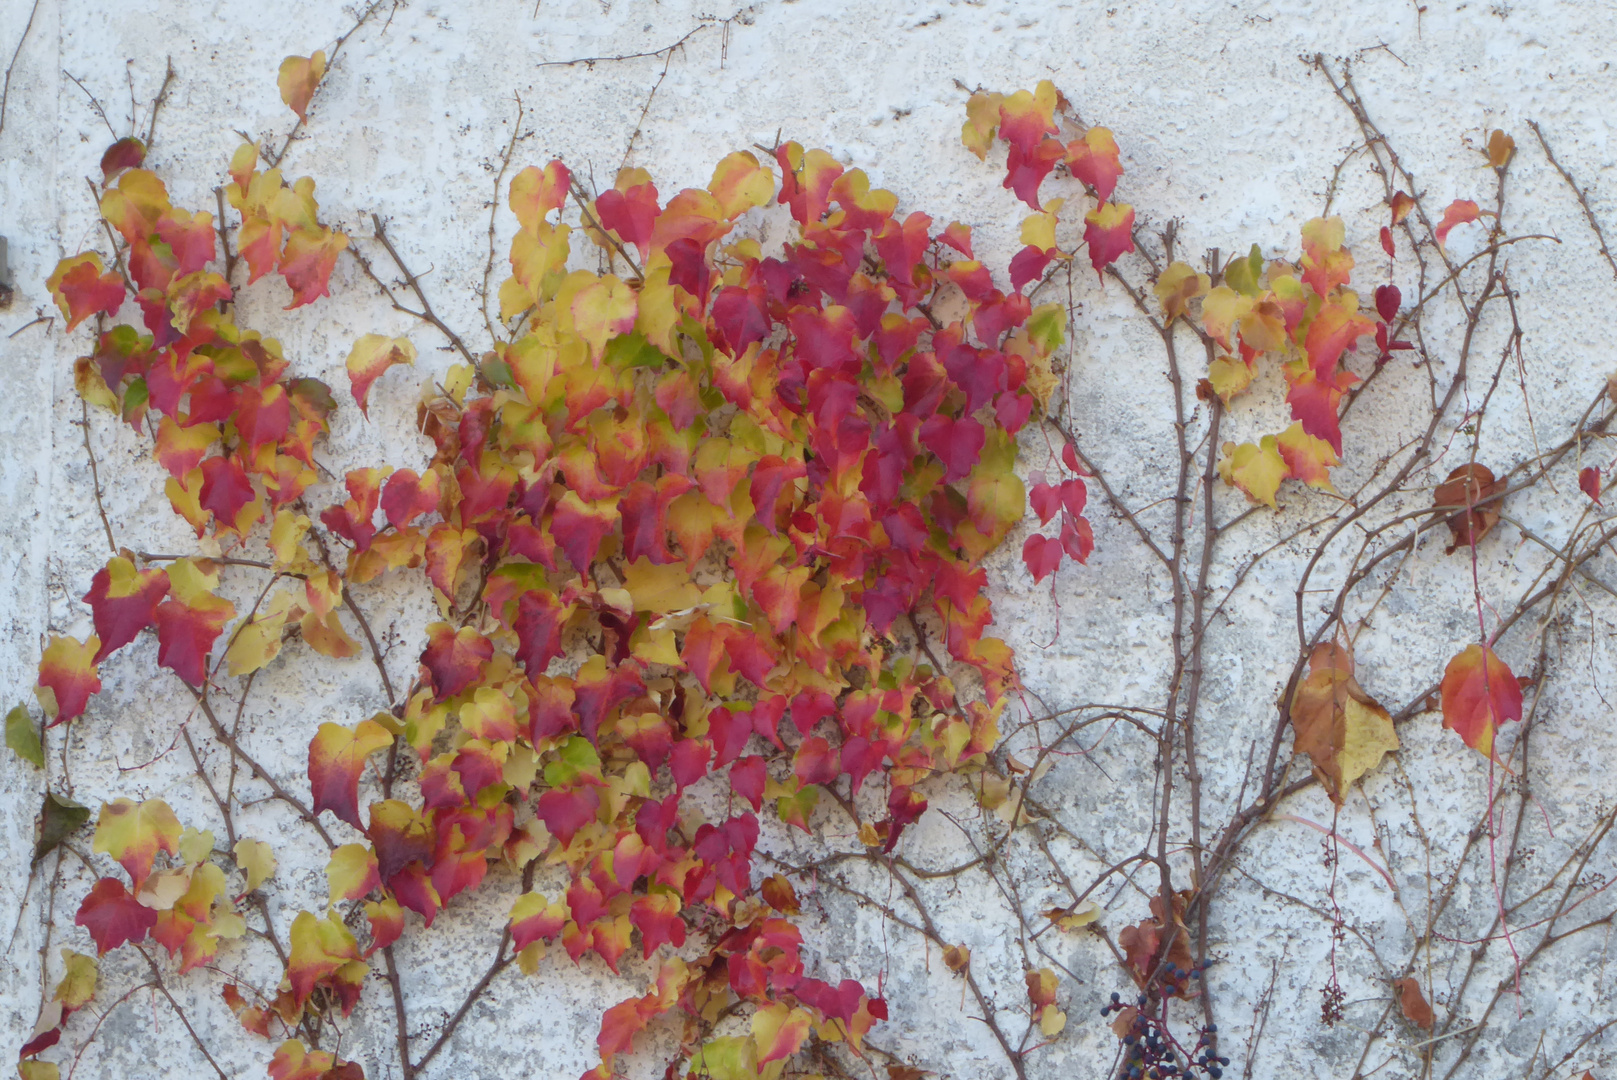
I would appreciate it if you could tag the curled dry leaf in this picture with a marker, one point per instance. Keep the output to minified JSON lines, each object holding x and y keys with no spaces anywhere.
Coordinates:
{"x":1501,"y":148}
{"x":1466,"y":487}
{"x":1144,"y":947}
{"x":956,"y":958}
{"x":1341,"y":728}
{"x":1413,"y":1003}
{"x":1075,"y":917}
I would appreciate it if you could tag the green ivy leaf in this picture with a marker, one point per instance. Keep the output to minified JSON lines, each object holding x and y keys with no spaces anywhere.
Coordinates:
{"x":23,"y":737}
{"x":59,"y":818}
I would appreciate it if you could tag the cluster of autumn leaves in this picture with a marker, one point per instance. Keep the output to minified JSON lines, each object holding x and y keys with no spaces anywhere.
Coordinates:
{"x":718,"y":513}
{"x":714,"y":513}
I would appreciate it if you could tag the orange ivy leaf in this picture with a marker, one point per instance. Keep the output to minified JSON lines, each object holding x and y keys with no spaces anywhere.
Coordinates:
{"x":1307,"y":458}
{"x":779,"y":1031}
{"x":81,"y":288}
{"x":1400,"y":204}
{"x":67,"y":670}
{"x":372,"y":355}
{"x":319,"y":947}
{"x":1479,"y":694}
{"x":1465,"y":487}
{"x":536,"y":918}
{"x":307,"y":261}
{"x":1413,"y":1002}
{"x":298,"y":78}
{"x":1093,"y":159}
{"x":336,"y":758}
{"x":1027,"y":116}
{"x":1458,"y":212}
{"x":740,"y":183}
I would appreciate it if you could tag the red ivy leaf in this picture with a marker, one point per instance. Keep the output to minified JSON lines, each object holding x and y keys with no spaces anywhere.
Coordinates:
{"x":565,"y":812}
{"x":336,"y":758}
{"x":113,"y":916}
{"x":1042,"y":555}
{"x":1458,"y":212}
{"x":81,"y":288}
{"x":1109,"y":232}
{"x":958,"y":443}
{"x":454,"y":658}
{"x":123,"y":602}
{"x":408,"y":496}
{"x":1589,"y":482}
{"x":126,"y":153}
{"x":68,"y":670}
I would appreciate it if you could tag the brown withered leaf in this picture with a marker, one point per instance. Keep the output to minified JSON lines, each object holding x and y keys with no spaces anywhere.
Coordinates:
{"x":1143,"y":947}
{"x":1465,"y":487}
{"x":1501,"y":148}
{"x":956,"y":958}
{"x":1343,"y":730}
{"x":1413,"y":1003}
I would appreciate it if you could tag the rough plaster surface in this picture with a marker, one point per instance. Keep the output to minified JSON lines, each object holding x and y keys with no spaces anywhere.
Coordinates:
{"x":1222,"y":127}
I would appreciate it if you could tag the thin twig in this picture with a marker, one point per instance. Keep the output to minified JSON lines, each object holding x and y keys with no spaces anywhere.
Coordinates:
{"x":1582,"y":196}
{"x":5,"y":91}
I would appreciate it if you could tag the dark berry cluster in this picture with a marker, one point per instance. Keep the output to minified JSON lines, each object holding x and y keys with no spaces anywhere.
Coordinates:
{"x":1151,"y":1053}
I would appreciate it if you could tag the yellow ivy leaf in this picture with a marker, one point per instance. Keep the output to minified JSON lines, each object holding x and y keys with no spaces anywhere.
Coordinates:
{"x":603,"y":310}
{"x":1256,"y":470}
{"x":298,"y":78}
{"x":257,"y":859}
{"x":1230,"y":377}
{"x":660,"y":588}
{"x":1178,"y":286}
{"x":78,"y":980}
{"x":351,"y":872}
{"x":196,"y":844}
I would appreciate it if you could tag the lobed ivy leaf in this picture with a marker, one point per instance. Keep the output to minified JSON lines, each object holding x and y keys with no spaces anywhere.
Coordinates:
{"x":23,"y":737}
{"x":299,"y":76}
{"x":68,"y":676}
{"x":1479,"y":692}
{"x":336,"y":758}
{"x":59,"y":818}
{"x":113,"y":916}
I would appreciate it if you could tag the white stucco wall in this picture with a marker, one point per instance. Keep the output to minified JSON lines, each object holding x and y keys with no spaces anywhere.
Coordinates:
{"x":1223,"y":127}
